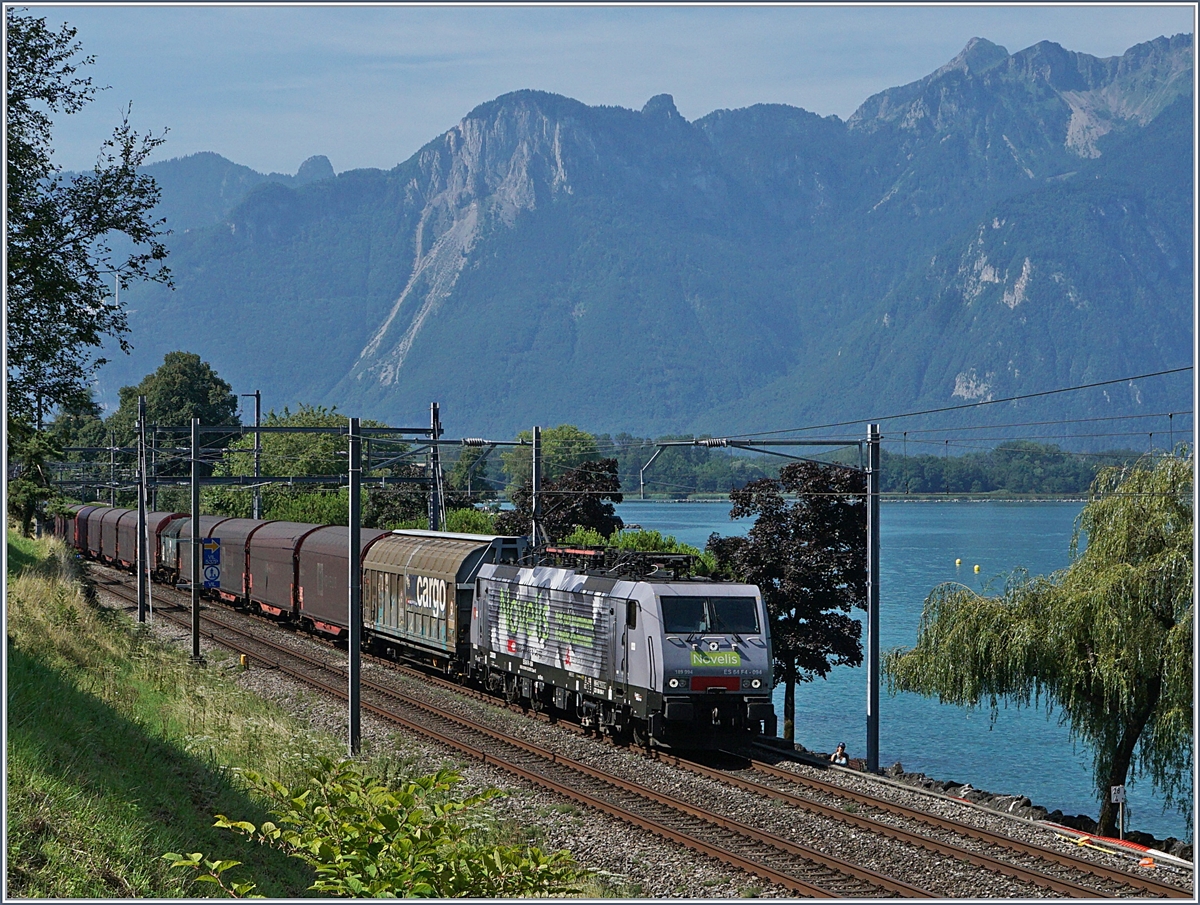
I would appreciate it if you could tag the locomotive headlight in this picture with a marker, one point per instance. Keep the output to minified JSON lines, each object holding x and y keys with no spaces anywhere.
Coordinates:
{"x":674,"y":683}
{"x":756,"y":683}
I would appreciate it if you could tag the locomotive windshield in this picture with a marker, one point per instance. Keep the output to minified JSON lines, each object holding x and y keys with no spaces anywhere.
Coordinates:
{"x":688,"y":615}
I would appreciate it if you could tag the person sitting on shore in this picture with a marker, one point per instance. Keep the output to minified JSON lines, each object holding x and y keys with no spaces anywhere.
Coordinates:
{"x":839,"y":756}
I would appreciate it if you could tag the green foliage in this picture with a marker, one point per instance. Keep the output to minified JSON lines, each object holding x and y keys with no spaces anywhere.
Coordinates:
{"x":1017,"y":467}
{"x":79,"y":422}
{"x":639,"y":539}
{"x":471,"y":521}
{"x":364,"y":838}
{"x":30,"y":485}
{"x":311,"y":455}
{"x":58,"y":285}
{"x":563,"y":449}
{"x":582,"y":498}
{"x":182,"y":388}
{"x":467,"y":480}
{"x":1107,"y":641}
{"x":679,"y":471}
{"x":119,"y":748}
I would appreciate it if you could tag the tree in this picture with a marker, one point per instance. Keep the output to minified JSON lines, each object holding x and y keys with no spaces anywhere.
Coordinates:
{"x":563,"y":449}
{"x":808,"y":557}
{"x":182,"y":388}
{"x":79,"y":422}
{"x":1107,"y":641}
{"x":309,"y":455}
{"x":29,"y":485}
{"x":467,"y":479}
{"x":581,"y":498}
{"x":60,"y":269}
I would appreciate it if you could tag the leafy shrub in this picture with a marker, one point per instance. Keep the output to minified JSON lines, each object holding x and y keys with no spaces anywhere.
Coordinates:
{"x":363,"y":838}
{"x":471,"y":521}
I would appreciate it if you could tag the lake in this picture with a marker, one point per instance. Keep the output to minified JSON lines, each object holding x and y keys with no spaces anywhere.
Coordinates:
{"x":1022,"y":751}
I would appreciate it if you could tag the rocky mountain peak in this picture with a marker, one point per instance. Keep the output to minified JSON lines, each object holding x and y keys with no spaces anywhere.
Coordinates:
{"x":977,"y":57}
{"x":314,"y":169}
{"x":661,"y":106}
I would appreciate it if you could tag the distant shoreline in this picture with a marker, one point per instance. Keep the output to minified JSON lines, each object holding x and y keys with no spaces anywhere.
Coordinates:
{"x":893,"y":497}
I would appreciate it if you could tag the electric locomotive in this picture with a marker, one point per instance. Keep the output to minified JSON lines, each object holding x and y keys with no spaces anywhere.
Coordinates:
{"x":673,"y":662}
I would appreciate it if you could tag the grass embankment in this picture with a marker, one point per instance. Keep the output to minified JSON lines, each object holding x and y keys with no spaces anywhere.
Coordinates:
{"x":119,"y":749}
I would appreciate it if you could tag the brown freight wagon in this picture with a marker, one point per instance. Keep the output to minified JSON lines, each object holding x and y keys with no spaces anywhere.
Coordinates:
{"x":93,"y":543}
{"x":80,"y":538}
{"x":271,"y":566}
{"x":111,"y":535}
{"x":75,"y":527}
{"x":177,"y":543}
{"x":323,"y":589}
{"x":64,"y":524}
{"x":235,"y":535}
{"x":127,"y":541}
{"x":108,"y":533}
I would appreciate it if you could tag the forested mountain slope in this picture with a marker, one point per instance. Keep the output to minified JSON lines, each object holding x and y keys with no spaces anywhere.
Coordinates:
{"x":1010,"y":223}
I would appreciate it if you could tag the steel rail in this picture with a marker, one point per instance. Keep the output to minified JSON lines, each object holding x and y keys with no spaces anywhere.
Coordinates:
{"x":987,"y":862}
{"x":1156,"y":887}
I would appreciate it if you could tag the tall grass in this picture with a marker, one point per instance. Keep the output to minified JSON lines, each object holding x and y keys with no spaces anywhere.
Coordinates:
{"x":120,"y":749}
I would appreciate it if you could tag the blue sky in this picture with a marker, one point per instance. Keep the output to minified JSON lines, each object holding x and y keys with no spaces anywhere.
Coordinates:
{"x":268,"y":86}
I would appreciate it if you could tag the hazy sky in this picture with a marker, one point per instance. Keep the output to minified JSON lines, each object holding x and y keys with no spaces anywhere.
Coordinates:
{"x":367,"y":85}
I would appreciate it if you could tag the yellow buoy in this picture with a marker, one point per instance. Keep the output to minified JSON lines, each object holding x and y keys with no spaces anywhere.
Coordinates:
{"x":958,"y":562}
{"x":977,"y":568}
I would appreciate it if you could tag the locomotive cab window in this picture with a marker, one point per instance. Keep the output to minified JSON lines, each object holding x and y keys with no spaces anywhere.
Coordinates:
{"x":725,"y":615}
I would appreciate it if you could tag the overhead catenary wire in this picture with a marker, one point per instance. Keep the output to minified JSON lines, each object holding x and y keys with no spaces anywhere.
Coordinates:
{"x":970,"y":405}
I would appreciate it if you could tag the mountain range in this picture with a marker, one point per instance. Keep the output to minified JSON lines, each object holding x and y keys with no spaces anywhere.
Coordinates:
{"x":1009,"y":224}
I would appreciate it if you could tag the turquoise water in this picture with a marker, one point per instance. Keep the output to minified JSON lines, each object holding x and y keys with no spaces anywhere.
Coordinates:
{"x":1022,"y":751}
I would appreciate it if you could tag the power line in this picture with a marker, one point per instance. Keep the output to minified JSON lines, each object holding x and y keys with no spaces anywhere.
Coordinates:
{"x":968,"y":405}
{"x":944,"y":430}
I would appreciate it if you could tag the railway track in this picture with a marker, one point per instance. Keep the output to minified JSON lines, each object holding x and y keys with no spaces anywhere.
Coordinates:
{"x":797,"y":867}
{"x":1025,"y":861}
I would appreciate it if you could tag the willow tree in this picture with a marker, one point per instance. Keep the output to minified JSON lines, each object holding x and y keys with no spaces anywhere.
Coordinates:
{"x":1106,"y":642}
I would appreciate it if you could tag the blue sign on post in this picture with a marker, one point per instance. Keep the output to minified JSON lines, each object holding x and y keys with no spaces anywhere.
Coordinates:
{"x":210,"y":551}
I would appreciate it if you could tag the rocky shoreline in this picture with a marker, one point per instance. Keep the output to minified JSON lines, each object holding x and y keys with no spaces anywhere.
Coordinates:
{"x":1012,"y":805}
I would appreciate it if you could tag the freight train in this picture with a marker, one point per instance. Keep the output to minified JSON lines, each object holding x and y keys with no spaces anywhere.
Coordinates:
{"x":658,"y":658}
